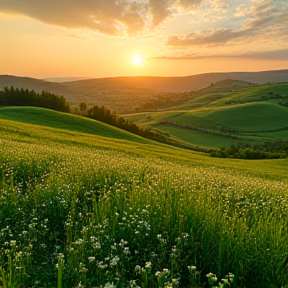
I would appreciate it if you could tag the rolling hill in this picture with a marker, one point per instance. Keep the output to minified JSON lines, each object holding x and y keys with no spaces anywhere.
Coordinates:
{"x":222,"y":114}
{"x":61,"y":121}
{"x":125,"y":94}
{"x":75,"y":189}
{"x":219,"y":119}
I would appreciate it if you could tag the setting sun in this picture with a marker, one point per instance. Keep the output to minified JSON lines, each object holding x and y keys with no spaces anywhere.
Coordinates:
{"x":137,"y":59}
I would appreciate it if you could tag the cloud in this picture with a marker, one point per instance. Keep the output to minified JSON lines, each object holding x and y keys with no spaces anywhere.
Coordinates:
{"x":207,"y":38}
{"x":265,"y":20}
{"x":112,"y":17}
{"x":77,"y":34}
{"x":276,"y":55}
{"x":186,"y":5}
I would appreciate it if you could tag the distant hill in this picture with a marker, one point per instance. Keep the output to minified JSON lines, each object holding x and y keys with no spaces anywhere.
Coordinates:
{"x":73,"y":123}
{"x":196,"y":82}
{"x":178,"y":100}
{"x":65,"y":79}
{"x":117,"y":96}
{"x":125,"y":94}
{"x":250,"y":115}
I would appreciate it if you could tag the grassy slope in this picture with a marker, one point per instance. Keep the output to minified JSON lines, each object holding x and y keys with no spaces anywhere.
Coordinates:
{"x":124,"y":94}
{"x":233,"y":210}
{"x":46,"y":132}
{"x":53,"y":119}
{"x":253,"y":119}
{"x":214,"y":97}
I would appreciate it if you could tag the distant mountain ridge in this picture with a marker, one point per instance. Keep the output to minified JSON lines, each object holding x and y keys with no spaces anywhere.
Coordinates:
{"x":64,"y":79}
{"x":124,"y":94}
{"x":199,"y":81}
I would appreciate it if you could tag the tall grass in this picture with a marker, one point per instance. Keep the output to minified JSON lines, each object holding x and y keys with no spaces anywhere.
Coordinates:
{"x":85,"y":215}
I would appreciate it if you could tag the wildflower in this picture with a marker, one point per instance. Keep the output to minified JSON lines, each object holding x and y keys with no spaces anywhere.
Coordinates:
{"x":185,"y":235}
{"x":109,"y":285}
{"x":224,"y":283}
{"x":175,"y":281}
{"x":133,"y":284}
{"x":166,"y":271}
{"x":91,"y":259}
{"x":101,"y":265}
{"x":126,"y":250}
{"x":114,"y":261}
{"x":61,"y":255}
{"x":137,"y":269}
{"x":96,"y":245}
{"x":191,"y":268}
{"x":82,"y":268}
{"x":148,"y":265}
{"x":211,"y":278}
{"x":230,"y":277}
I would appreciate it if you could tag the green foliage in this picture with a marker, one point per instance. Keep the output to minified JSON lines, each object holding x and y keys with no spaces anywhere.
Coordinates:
{"x":107,"y":116}
{"x":283,"y":103}
{"x":54,"y":119}
{"x":24,"y":97}
{"x":254,"y":117}
{"x":83,"y":107}
{"x":222,"y":126}
{"x":268,"y":150}
{"x":100,"y":209}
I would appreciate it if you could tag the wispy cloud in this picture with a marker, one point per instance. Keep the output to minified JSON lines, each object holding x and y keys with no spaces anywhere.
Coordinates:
{"x":207,"y":38}
{"x":112,"y":17}
{"x":278,"y":55}
{"x":201,"y":28}
{"x":261,"y":21}
{"x":75,"y":33}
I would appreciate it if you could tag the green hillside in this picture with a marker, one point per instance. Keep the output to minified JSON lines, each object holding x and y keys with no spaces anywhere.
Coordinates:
{"x":79,"y":206}
{"x":126,"y":94}
{"x":234,"y":93}
{"x":249,"y":115}
{"x":54,"y":119}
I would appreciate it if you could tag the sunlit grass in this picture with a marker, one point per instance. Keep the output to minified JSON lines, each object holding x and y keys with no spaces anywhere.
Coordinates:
{"x":94,"y":208}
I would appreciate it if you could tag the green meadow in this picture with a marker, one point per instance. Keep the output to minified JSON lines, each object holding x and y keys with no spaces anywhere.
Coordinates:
{"x":219,"y":116}
{"x":83,"y":204}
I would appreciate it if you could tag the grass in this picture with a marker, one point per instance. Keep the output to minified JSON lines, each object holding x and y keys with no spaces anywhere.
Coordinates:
{"x":198,"y":137}
{"x":81,"y":208}
{"x":243,"y":95}
{"x":54,"y":119}
{"x":251,"y":117}
{"x":251,"y":114}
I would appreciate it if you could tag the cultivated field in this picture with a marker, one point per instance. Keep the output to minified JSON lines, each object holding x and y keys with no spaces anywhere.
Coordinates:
{"x":81,"y":209}
{"x":216,"y":119}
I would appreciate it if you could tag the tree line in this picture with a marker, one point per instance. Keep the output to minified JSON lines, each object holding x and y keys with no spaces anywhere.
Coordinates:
{"x":11,"y":96}
{"x":272,"y":149}
{"x":105,"y":115}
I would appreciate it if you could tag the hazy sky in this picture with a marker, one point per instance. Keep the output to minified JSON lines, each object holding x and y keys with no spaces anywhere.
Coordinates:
{"x":99,"y":38}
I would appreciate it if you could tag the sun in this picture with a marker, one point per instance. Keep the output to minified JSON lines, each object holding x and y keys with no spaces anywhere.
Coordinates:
{"x":137,"y":59}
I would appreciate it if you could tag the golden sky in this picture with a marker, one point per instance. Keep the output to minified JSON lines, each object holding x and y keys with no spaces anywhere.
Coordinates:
{"x":107,"y":38}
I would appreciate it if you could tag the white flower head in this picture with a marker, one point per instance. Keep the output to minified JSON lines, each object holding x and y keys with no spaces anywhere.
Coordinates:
{"x":192,"y":268}
{"x":148,"y":265}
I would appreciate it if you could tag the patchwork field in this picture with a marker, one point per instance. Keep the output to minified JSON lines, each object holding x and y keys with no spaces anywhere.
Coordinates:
{"x":249,"y":115}
{"x":84,"y":204}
